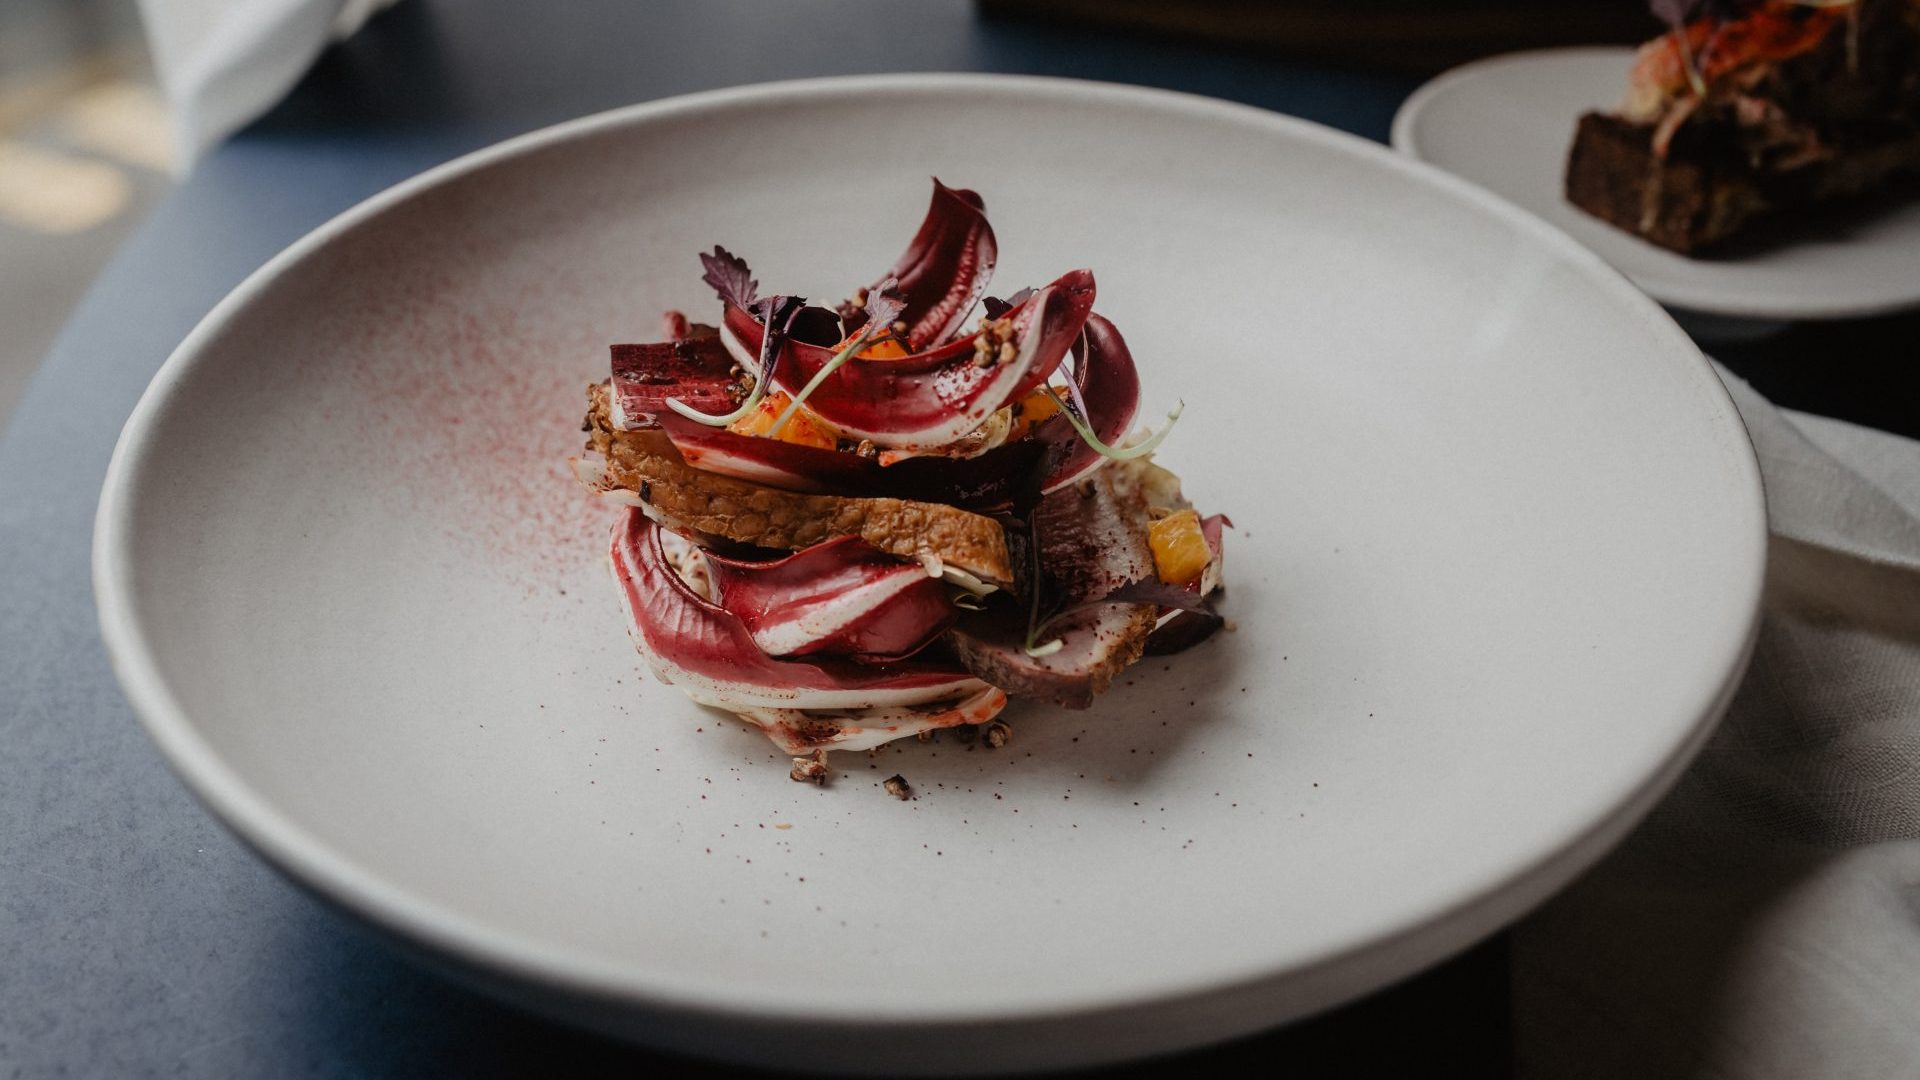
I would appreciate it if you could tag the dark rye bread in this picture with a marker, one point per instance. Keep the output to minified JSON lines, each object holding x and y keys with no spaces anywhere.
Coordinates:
{"x":1837,"y":121}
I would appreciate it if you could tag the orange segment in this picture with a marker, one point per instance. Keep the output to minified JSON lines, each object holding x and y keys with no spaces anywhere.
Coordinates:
{"x":1180,"y":552}
{"x":802,"y":429}
{"x":1031,"y":410}
{"x":890,"y":349}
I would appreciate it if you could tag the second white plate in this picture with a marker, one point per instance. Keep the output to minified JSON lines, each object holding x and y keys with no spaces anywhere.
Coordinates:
{"x":1506,"y":124}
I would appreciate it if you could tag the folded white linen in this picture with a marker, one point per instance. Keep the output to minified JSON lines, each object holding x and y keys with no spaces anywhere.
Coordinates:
{"x":221,"y":63}
{"x":1765,"y":921}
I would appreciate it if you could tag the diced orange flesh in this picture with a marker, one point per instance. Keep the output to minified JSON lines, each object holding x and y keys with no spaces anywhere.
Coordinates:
{"x":890,"y":349}
{"x":1031,"y":410}
{"x":802,"y":429}
{"x":1180,"y":552}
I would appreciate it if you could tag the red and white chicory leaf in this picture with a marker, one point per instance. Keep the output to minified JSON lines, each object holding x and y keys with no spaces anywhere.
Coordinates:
{"x":945,"y":268}
{"x":696,"y":644}
{"x":929,"y":399}
{"x":842,"y":597}
{"x":1106,"y":388}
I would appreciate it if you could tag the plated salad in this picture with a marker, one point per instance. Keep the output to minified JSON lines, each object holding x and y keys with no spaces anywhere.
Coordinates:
{"x":847,"y":525}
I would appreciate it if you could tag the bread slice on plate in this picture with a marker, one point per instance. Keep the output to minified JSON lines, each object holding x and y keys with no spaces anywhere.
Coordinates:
{"x":1753,"y":110}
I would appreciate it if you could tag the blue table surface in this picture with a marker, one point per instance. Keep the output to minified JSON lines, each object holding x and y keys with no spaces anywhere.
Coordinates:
{"x":136,"y":935}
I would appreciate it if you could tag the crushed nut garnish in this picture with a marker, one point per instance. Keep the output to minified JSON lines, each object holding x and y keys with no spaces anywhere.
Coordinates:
{"x":924,"y":736}
{"x":897,"y":786}
{"x":996,"y":734}
{"x":811,"y":769}
{"x":866,"y":448}
{"x":994,"y":343}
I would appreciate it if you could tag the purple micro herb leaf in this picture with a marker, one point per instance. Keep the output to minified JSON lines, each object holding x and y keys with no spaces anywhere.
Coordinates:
{"x":884,"y":305}
{"x":729,"y":276}
{"x":777,"y":314}
{"x":997,"y":307}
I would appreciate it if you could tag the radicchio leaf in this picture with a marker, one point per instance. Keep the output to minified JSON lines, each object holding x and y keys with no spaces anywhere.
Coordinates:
{"x":931,"y":398}
{"x":1105,"y":387}
{"x":945,"y":268}
{"x":842,"y":597}
{"x":729,"y":276}
{"x":698,"y":645}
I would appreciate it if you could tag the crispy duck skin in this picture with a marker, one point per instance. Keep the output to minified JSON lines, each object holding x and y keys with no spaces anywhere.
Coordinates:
{"x":687,"y":499}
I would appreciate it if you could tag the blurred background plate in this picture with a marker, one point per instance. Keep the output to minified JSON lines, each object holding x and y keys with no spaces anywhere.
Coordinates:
{"x":1507,"y":123}
{"x":1497,"y":564}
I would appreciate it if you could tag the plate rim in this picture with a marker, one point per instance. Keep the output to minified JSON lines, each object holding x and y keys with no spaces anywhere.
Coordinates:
{"x":422,"y":921}
{"x":1679,"y":295}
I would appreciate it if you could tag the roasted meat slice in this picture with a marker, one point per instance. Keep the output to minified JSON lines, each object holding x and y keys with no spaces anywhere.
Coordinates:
{"x":1091,"y":539}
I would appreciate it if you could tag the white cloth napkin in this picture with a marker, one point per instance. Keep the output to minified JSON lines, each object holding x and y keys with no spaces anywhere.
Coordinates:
{"x":1765,"y":921}
{"x":222,"y":63}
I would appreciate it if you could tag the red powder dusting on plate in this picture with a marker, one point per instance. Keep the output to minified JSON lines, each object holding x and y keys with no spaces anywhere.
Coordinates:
{"x":473,"y":401}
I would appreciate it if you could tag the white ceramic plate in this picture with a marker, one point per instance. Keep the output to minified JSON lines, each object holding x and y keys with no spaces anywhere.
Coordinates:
{"x":1507,"y":123}
{"x":1497,"y":565}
